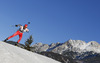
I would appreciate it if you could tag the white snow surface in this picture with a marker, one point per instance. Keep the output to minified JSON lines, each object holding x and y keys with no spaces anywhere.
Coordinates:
{"x":13,"y":54}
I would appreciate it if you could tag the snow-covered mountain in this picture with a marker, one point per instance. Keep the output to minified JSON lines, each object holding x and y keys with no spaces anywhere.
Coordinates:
{"x":71,"y":45}
{"x":76,"y":50}
{"x":13,"y":54}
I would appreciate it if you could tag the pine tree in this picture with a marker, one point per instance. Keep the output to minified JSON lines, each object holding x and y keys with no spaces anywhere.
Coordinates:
{"x":28,"y":43}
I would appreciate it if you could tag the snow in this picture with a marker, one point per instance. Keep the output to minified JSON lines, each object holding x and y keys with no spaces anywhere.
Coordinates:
{"x":13,"y":54}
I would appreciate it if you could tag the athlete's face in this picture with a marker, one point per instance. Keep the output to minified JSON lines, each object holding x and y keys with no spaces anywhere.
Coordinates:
{"x":25,"y":26}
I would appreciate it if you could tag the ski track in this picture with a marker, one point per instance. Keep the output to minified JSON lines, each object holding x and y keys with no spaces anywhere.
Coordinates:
{"x":12,"y":54}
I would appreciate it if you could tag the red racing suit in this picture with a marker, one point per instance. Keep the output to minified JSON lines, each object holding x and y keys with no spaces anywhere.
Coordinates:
{"x":19,"y":32}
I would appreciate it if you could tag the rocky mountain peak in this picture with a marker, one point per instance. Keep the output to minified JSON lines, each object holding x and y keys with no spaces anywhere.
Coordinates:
{"x":93,"y":43}
{"x":75,"y":49}
{"x":76,"y":43}
{"x":71,"y":45}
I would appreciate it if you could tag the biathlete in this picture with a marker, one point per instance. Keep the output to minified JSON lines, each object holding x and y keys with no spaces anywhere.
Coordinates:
{"x":19,"y":32}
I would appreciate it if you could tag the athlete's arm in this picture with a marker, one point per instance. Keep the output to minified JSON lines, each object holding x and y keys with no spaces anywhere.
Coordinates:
{"x":27,"y":30}
{"x":18,"y":25}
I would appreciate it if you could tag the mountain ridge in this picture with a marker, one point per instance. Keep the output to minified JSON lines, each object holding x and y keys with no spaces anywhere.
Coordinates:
{"x":74,"y":45}
{"x":77,"y":51}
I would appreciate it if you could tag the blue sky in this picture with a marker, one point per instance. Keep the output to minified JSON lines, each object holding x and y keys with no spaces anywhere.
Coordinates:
{"x":51,"y":20}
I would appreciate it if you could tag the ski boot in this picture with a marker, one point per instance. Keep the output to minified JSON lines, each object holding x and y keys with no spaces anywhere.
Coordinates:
{"x":5,"y":39}
{"x":17,"y":44}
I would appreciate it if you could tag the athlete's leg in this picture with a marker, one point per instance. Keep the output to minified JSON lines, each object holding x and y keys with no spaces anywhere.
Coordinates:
{"x":20,"y":37}
{"x":16,"y":33}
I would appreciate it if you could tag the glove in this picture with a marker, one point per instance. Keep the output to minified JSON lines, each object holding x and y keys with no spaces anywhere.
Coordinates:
{"x":16,"y":25}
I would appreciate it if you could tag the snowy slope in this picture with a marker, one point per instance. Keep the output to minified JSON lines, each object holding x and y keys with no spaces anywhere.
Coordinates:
{"x":13,"y":54}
